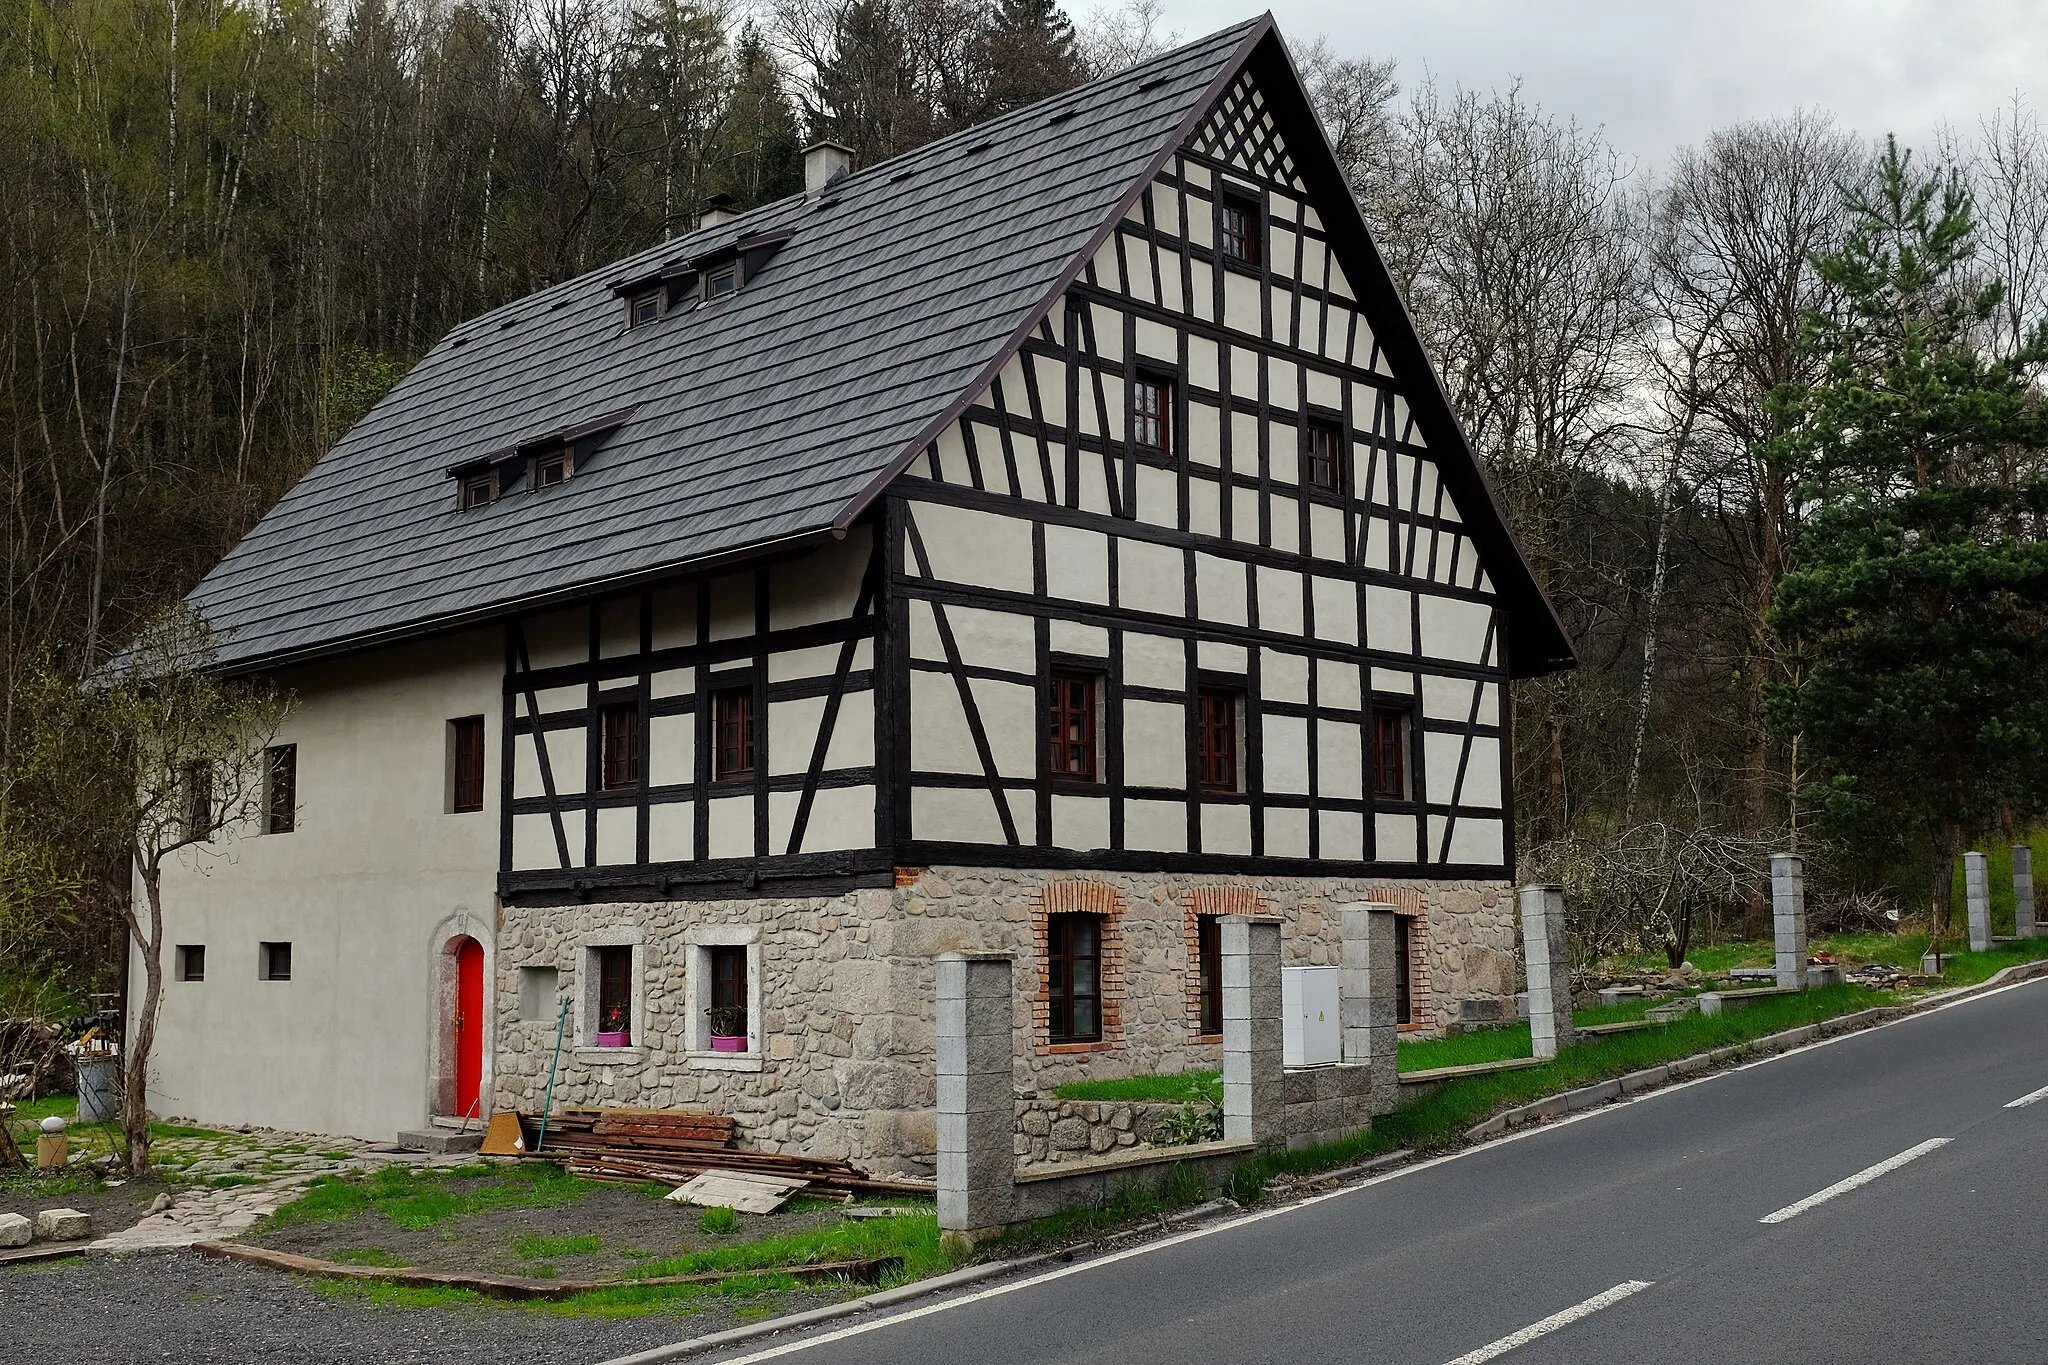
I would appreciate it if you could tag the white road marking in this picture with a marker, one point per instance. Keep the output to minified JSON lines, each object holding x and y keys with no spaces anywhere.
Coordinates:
{"x":1552,"y":1323}
{"x":2028,"y":1098}
{"x":1862,"y":1177}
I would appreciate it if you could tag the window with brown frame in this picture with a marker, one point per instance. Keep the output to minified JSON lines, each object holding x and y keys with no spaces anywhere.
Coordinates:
{"x":1325,"y":457}
{"x":728,"y":990}
{"x":1390,"y":753}
{"x":1070,"y":725}
{"x":1209,"y":965}
{"x":614,"y":995}
{"x":478,"y":489}
{"x":1152,"y":413}
{"x":732,"y":733}
{"x":1404,"y":984}
{"x":619,"y":751}
{"x":1219,"y":739}
{"x":721,"y":282}
{"x":642,"y":309}
{"x":281,"y":790}
{"x":1073,"y":972}
{"x":1242,"y":230}
{"x":466,"y":764}
{"x":553,"y":468}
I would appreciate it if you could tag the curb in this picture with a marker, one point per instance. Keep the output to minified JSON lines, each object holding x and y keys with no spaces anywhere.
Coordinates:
{"x":1651,"y":1078}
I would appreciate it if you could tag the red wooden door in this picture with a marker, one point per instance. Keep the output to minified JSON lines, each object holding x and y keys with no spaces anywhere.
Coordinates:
{"x":469,"y":1025}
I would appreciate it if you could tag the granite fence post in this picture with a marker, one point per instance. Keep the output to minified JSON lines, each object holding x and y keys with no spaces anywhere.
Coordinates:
{"x":1788,"y":918}
{"x":1254,"y":1082}
{"x":977,"y":1101}
{"x":1547,"y":958}
{"x":1977,"y":893}
{"x":1365,"y":997}
{"x":2023,"y":891}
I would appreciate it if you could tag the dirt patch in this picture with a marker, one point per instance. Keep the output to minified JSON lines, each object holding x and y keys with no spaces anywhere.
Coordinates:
{"x":604,"y":1234}
{"x":113,"y":1206}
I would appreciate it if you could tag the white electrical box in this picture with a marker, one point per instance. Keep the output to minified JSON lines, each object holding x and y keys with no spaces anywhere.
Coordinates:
{"x":1310,"y":1034}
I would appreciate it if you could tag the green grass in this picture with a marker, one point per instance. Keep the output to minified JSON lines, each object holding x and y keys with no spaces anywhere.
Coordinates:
{"x":366,"y":1256}
{"x":1504,"y":1043}
{"x":1181,"y":1087}
{"x":718,"y":1222}
{"x":421,"y":1199}
{"x":337,"y":1156}
{"x":545,"y":1248}
{"x":1179,"y":1187}
{"x":914,"y":1237}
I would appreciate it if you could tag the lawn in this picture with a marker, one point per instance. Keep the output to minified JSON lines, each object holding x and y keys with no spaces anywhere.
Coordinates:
{"x":1178,"y":1087}
{"x":421,"y":1199}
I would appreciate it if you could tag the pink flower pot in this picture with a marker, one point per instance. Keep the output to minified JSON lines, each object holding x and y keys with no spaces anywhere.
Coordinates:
{"x":619,"y":1039}
{"x":721,"y":1042}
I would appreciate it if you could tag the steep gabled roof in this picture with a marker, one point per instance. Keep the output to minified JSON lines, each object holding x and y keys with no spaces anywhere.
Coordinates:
{"x":761,"y":419}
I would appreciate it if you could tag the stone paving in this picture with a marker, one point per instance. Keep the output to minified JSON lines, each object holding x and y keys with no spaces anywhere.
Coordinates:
{"x":229,"y":1180}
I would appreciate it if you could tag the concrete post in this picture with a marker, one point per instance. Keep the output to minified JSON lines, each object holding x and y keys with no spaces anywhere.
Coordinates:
{"x":977,"y":1099}
{"x":1254,"y":1083}
{"x":1548,"y":960}
{"x":1788,"y":918}
{"x":1977,"y":892}
{"x":1365,"y":997}
{"x":2023,"y":891}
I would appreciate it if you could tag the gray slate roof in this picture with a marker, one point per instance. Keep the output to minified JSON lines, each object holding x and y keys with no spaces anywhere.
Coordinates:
{"x":759,"y":418}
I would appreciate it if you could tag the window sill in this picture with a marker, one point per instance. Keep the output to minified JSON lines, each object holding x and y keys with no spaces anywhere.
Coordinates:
{"x":616,"y":1056}
{"x":1208,"y":1037}
{"x":1062,"y":1049}
{"x":724,"y":1061}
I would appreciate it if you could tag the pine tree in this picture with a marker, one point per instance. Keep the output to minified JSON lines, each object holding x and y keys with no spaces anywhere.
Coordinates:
{"x":1917,"y":612}
{"x":760,"y":156}
{"x":1027,"y":53}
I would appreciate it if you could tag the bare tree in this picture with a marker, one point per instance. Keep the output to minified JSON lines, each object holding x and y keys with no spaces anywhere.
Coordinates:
{"x":1114,"y":37}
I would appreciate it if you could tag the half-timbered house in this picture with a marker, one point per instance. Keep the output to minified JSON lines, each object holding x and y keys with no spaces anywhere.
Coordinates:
{"x":1046,"y":540}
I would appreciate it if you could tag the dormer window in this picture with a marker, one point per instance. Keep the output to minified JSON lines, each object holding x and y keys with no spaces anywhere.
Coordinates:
{"x":479,"y":488}
{"x":1243,"y":231}
{"x":553,"y":468}
{"x":642,"y":309}
{"x":721,"y":281}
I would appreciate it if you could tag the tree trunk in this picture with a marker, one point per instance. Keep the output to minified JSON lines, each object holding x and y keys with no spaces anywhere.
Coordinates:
{"x":142,"y":1037}
{"x":1941,"y":882}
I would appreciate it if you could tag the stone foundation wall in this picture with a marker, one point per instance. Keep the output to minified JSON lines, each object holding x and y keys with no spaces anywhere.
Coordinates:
{"x":1053,"y":1130}
{"x":846,"y":1023}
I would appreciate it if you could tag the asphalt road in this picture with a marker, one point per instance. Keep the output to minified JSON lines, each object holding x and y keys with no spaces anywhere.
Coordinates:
{"x":1656,"y":1204}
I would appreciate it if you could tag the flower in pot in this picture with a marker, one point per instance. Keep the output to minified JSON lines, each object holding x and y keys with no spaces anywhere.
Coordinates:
{"x":728,"y":1028}
{"x":615,"y":1028}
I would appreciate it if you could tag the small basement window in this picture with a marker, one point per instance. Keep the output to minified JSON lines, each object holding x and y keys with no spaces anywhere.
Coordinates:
{"x":1073,"y":970}
{"x":191,"y":962}
{"x":274,"y":961}
{"x":281,"y":790}
{"x":479,"y":489}
{"x":642,"y":309}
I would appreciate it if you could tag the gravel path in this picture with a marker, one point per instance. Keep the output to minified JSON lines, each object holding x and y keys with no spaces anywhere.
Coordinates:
{"x":174,"y":1305}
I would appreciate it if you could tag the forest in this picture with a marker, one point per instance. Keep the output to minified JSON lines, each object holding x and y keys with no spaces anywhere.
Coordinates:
{"x":1765,"y":415}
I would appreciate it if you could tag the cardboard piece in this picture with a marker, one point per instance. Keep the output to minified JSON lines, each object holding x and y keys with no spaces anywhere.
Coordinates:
{"x":504,"y":1137}
{"x":740,"y":1191}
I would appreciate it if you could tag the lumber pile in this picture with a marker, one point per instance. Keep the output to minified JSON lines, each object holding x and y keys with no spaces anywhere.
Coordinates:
{"x":674,"y":1146}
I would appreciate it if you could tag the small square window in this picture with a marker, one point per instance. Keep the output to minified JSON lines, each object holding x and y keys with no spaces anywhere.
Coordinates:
{"x":1070,"y":725}
{"x":466,"y":764}
{"x":619,"y":738}
{"x":642,"y":309}
{"x":553,"y":468}
{"x":1152,"y":413}
{"x":478,"y":489}
{"x":1073,"y":986}
{"x":732,"y":733}
{"x":722,"y":281}
{"x":274,"y":961}
{"x":1219,"y":739}
{"x":1325,"y":457}
{"x":281,"y":789}
{"x":614,"y":995}
{"x":191,"y":962}
{"x":1390,"y":753}
{"x":1243,"y":231}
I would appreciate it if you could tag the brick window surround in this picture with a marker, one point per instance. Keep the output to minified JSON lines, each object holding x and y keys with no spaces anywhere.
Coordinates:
{"x":1210,"y":900}
{"x":1086,"y":898}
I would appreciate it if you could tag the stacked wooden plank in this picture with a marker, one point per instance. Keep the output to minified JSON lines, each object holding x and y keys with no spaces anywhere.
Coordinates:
{"x":674,"y":1146}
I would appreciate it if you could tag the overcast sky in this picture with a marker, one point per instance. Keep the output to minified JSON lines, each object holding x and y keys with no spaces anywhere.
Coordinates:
{"x":1661,"y":73}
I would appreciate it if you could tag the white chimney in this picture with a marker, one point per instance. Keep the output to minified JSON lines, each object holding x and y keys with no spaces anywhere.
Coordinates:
{"x":824,"y":162}
{"x":719,"y":208}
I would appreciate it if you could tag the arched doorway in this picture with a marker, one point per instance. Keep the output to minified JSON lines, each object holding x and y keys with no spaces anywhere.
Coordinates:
{"x":468,"y":1027}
